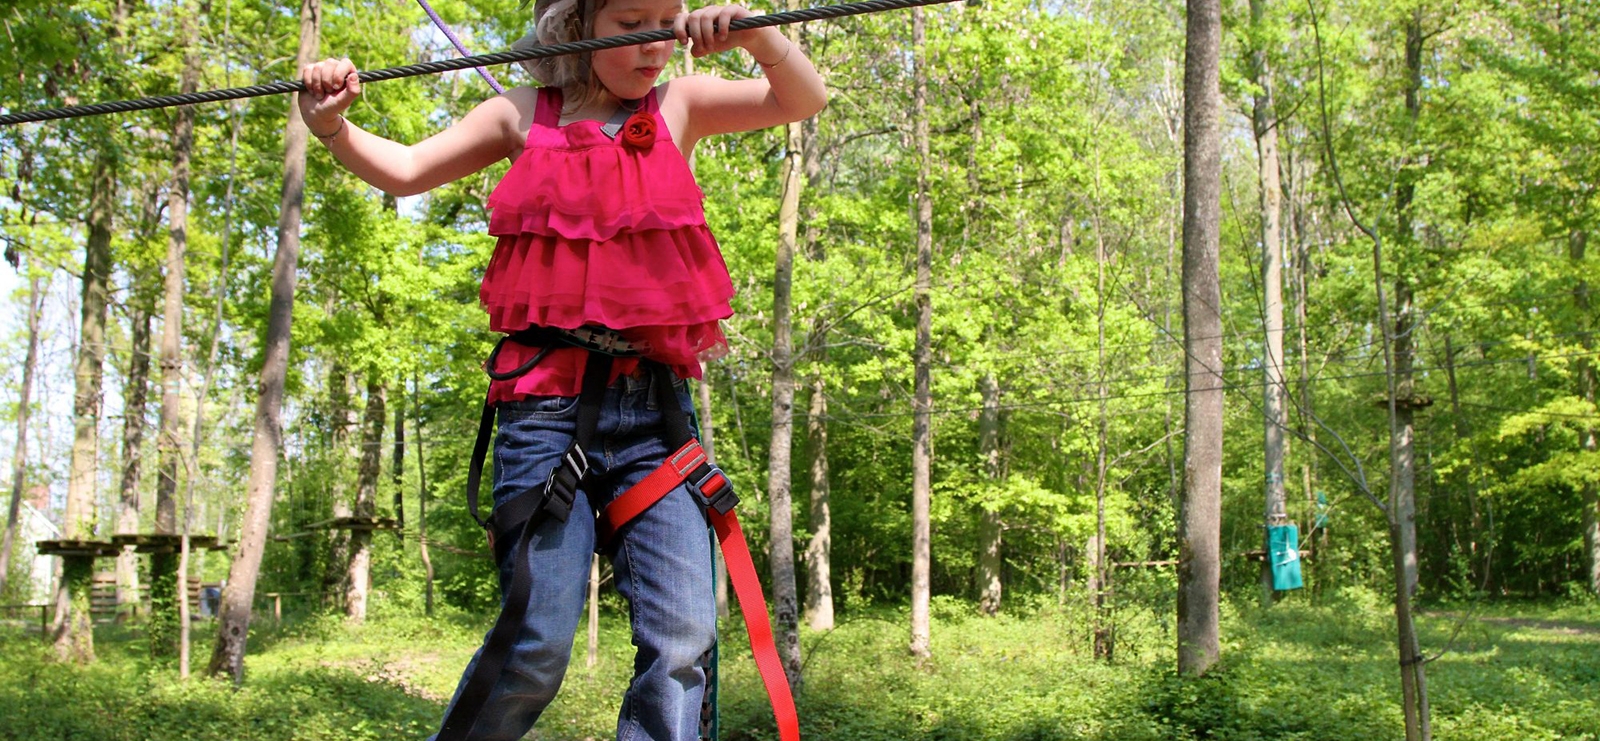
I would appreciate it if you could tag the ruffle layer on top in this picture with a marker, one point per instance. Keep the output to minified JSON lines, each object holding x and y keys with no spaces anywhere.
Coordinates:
{"x":596,"y":232}
{"x":583,"y":185}
{"x":656,"y":277}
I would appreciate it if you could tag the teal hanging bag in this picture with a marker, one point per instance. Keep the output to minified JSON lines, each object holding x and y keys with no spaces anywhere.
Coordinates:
{"x":1284,"y":550}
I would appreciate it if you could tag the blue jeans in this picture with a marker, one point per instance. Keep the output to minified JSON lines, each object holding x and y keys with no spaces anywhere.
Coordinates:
{"x":661,"y":561}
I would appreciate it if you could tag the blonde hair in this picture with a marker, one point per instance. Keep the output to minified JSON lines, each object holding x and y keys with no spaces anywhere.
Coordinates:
{"x":560,"y":22}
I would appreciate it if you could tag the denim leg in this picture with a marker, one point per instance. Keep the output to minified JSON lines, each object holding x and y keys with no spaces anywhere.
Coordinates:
{"x":662,"y":564}
{"x":532,"y":437}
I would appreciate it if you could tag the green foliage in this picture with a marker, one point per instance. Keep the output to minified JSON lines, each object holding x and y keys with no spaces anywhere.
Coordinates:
{"x":1296,"y":672}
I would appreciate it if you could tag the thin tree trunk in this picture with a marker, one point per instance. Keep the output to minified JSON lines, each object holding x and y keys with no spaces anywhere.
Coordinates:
{"x":422,"y":501}
{"x":1200,"y":518}
{"x":1104,"y":645}
{"x":1577,"y":243}
{"x":168,"y":631}
{"x":1308,"y":466}
{"x":359,"y":577}
{"x":74,"y":638}
{"x":345,"y":423}
{"x":922,"y":395}
{"x":1464,"y":432}
{"x":785,"y":602}
{"x":991,"y":530}
{"x":819,"y":568}
{"x":1403,"y":503}
{"x":1402,"y":405}
{"x":136,"y":394}
{"x":19,"y":457}
{"x":267,"y":441}
{"x":185,"y":643}
{"x":1275,"y":419}
{"x":397,"y":474}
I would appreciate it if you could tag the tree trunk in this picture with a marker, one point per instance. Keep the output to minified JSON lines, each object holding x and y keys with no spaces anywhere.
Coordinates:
{"x":1403,"y":475}
{"x":359,"y":577}
{"x":1308,"y":466}
{"x":819,"y":569}
{"x":166,"y":628}
{"x":779,"y":487}
{"x":74,"y":637}
{"x":1577,"y":242}
{"x":422,"y":502}
{"x":135,"y":396}
{"x":1275,"y":421}
{"x":344,"y":425}
{"x":267,"y":440}
{"x":1200,"y":518}
{"x":19,"y":457}
{"x":990,"y":528}
{"x":922,"y":395}
{"x":1104,"y":645}
{"x":1402,"y":403}
{"x":397,"y":472}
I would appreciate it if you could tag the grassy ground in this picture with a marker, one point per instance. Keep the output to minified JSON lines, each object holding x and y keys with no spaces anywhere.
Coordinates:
{"x":1296,"y":672}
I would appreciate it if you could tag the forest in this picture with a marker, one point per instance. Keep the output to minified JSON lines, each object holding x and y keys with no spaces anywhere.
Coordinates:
{"x":1055,"y":314}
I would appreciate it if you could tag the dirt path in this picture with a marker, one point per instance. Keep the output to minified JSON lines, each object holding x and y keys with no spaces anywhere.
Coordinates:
{"x":1562,"y":627}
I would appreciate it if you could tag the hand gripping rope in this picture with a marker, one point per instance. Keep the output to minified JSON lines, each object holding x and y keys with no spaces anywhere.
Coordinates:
{"x":446,"y":65}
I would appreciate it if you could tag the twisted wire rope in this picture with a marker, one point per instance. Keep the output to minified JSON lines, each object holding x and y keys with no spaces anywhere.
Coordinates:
{"x":447,"y":65}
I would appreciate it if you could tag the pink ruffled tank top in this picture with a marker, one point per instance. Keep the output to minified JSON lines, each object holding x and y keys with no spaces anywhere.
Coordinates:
{"x":600,"y":231}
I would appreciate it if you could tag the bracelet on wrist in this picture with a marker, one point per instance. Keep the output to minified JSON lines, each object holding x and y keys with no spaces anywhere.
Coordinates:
{"x":786,"y":50}
{"x":326,"y":138}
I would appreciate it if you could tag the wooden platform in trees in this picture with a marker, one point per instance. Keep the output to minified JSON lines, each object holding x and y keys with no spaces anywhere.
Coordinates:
{"x":77,"y":548}
{"x":165,"y":542}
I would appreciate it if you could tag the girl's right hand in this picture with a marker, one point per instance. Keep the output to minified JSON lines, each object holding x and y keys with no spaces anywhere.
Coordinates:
{"x":331,"y":86}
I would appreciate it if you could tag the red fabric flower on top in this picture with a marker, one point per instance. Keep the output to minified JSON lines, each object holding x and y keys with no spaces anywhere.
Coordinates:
{"x":639,"y":131}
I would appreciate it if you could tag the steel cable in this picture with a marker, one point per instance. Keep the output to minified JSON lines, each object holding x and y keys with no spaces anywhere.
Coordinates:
{"x":447,"y":65}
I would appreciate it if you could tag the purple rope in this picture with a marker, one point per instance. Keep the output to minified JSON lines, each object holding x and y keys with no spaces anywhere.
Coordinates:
{"x":437,"y":21}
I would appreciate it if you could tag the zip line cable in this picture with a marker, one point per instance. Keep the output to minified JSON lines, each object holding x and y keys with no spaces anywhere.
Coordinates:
{"x":447,"y":65}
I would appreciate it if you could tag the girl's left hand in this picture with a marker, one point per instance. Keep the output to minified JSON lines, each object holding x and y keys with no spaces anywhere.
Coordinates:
{"x":708,"y":28}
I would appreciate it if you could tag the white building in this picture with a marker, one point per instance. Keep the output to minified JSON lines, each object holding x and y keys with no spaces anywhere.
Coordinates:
{"x":33,"y":526}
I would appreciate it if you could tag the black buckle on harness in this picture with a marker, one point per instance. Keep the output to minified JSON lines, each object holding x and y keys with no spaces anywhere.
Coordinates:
{"x":562,"y":488}
{"x":722,"y":499}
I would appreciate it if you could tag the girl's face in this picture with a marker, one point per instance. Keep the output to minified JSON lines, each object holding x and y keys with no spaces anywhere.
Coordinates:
{"x":630,"y":72}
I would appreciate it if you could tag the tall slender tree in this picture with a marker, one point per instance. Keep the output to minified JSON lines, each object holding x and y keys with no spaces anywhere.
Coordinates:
{"x":819,"y":571}
{"x":134,"y":397}
{"x":233,"y":625}
{"x":991,"y":530}
{"x":19,"y":456}
{"x":164,"y":567}
{"x":785,"y":601}
{"x":1200,"y":516}
{"x":922,"y":363}
{"x":358,"y":579}
{"x":1274,"y":415}
{"x":74,"y":636}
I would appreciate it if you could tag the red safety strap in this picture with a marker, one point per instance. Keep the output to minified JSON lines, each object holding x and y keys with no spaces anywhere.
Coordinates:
{"x":741,"y":569}
{"x":747,"y":588}
{"x":651,"y":489}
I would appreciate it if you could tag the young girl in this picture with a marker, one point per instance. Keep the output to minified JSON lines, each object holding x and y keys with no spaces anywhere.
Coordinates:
{"x":604,"y":270}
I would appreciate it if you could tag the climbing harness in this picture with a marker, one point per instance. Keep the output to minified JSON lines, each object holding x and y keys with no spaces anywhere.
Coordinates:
{"x":446,"y":65}
{"x":511,"y":525}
